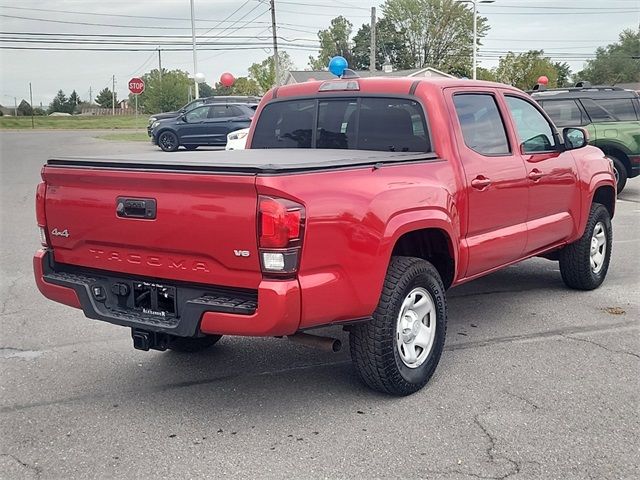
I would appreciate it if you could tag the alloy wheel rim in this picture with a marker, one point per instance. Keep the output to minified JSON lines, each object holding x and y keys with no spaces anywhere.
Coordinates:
{"x":416,"y":328}
{"x":167,"y":141}
{"x":598,"y":248}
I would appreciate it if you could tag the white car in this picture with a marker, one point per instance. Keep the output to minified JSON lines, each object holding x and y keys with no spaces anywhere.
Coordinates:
{"x":237,"y":140}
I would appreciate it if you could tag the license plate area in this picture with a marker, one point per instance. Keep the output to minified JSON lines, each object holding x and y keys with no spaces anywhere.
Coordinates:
{"x":154,"y":299}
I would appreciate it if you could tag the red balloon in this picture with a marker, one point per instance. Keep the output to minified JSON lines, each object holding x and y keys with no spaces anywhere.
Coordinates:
{"x":227,"y":80}
{"x":543,"y":80}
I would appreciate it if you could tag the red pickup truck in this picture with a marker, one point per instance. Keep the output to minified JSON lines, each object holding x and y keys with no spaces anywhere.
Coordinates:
{"x":358,"y":203}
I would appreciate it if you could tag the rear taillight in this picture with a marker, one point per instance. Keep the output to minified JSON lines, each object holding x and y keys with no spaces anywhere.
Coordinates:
{"x":280,"y":232}
{"x":41,"y":192}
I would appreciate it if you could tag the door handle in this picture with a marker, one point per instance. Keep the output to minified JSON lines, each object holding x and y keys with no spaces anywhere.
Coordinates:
{"x":480,"y":182}
{"x":535,"y":175}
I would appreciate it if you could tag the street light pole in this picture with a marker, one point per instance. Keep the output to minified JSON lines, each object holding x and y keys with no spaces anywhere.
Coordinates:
{"x":195,"y":57}
{"x":475,"y":30}
{"x":475,"y":39}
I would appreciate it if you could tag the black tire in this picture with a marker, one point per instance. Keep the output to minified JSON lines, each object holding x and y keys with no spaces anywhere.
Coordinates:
{"x":575,"y":259}
{"x":191,"y":147}
{"x":621,"y":173}
{"x":168,"y":141}
{"x":374,"y":344}
{"x":192,"y":344}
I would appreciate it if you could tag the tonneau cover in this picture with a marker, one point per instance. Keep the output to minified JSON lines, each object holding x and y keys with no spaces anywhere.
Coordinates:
{"x":267,"y":161}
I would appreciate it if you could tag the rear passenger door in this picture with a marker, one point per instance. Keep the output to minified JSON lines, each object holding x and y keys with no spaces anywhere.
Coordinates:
{"x":496,"y":183}
{"x":217,"y":124}
{"x":553,"y":210}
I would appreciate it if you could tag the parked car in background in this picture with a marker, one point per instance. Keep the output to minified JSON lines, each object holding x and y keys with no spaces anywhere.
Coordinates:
{"x":206,"y":124}
{"x":237,"y":140}
{"x":611,"y":115}
{"x":249,"y":100}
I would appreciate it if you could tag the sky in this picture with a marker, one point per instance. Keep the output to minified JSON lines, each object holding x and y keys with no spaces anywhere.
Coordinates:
{"x":568,"y":30}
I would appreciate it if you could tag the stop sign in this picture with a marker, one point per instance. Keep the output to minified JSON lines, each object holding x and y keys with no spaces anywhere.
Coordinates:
{"x":136,"y":85}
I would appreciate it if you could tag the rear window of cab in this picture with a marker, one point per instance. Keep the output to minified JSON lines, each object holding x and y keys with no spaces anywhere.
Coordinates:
{"x":363,"y":123}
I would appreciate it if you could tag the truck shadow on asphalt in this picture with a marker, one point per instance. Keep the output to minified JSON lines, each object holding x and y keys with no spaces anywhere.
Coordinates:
{"x":496,"y":303}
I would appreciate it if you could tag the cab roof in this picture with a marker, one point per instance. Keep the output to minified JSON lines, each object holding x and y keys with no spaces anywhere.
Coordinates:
{"x":378,"y":85}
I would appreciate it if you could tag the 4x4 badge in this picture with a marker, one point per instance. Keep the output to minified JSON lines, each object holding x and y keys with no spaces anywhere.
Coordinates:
{"x":57,"y":233}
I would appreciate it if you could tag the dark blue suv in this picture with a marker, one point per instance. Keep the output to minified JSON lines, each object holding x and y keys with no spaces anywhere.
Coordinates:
{"x":208,"y":124}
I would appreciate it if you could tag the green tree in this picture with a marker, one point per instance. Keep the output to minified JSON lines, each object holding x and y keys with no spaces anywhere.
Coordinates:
{"x":485,"y":74}
{"x":389,"y":46}
{"x":335,"y":40}
{"x":264,"y":74}
{"x":60,"y":103}
{"x":563,"y":70}
{"x":437,"y":33}
{"x":522,"y":70}
{"x":73,"y":102}
{"x":105,"y":98}
{"x":616,"y":63}
{"x":24,"y":109}
{"x":242,"y":86}
{"x":206,"y":90}
{"x":163,"y":93}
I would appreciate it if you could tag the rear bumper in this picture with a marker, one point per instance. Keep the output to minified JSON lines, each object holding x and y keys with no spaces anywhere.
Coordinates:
{"x":635,"y":165}
{"x":272,"y":310}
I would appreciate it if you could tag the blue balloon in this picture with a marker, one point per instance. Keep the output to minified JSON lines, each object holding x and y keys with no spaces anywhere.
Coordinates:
{"x":337,"y":65}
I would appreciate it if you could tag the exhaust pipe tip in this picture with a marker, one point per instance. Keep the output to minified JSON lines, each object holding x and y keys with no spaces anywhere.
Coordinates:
{"x":328,"y":344}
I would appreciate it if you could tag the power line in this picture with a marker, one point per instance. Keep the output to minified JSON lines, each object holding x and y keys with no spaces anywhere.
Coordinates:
{"x":228,"y":17}
{"x":151,"y":38}
{"x":241,"y":18}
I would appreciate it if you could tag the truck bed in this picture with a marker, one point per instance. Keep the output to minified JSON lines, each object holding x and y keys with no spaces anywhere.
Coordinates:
{"x":250,"y":162}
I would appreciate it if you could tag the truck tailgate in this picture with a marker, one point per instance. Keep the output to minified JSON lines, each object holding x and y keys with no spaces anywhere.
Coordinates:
{"x":203,"y":229}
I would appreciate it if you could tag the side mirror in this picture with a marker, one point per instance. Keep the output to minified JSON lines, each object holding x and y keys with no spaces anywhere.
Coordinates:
{"x":574,"y":138}
{"x":183,"y":117}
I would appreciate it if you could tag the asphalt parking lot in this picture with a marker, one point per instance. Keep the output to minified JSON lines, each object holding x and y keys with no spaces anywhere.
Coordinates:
{"x":537,"y":381}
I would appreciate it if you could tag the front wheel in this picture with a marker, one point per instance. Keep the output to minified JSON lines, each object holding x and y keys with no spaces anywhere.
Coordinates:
{"x":168,"y":141}
{"x":192,"y":344}
{"x":585,"y":262}
{"x":399,"y":349}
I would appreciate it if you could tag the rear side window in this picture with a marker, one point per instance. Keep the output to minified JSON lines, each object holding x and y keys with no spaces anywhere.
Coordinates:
{"x":381,"y":124}
{"x":596,"y":112}
{"x":482,"y":126}
{"x":620,"y":108}
{"x":564,"y":113}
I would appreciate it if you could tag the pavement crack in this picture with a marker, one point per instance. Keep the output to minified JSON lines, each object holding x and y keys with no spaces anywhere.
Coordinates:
{"x":604,"y":347}
{"x":489,"y":451}
{"x":10,"y":294}
{"x":523,"y":399}
{"x":37,"y":470}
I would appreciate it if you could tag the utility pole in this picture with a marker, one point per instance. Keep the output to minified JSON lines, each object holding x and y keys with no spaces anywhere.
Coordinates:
{"x":15,"y":106}
{"x":195,"y":58}
{"x":276,"y":63}
{"x":90,"y":96}
{"x":113,"y":96}
{"x":372,"y":54}
{"x":160,"y":62}
{"x":33,"y":125}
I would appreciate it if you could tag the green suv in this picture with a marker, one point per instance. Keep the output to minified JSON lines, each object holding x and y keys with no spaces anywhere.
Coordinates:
{"x":611,"y":115}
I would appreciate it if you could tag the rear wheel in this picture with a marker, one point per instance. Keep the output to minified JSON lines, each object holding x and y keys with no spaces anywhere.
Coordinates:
{"x":168,"y":141}
{"x":584,"y":263}
{"x":620,"y":172}
{"x":399,"y":349}
{"x":192,"y":344}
